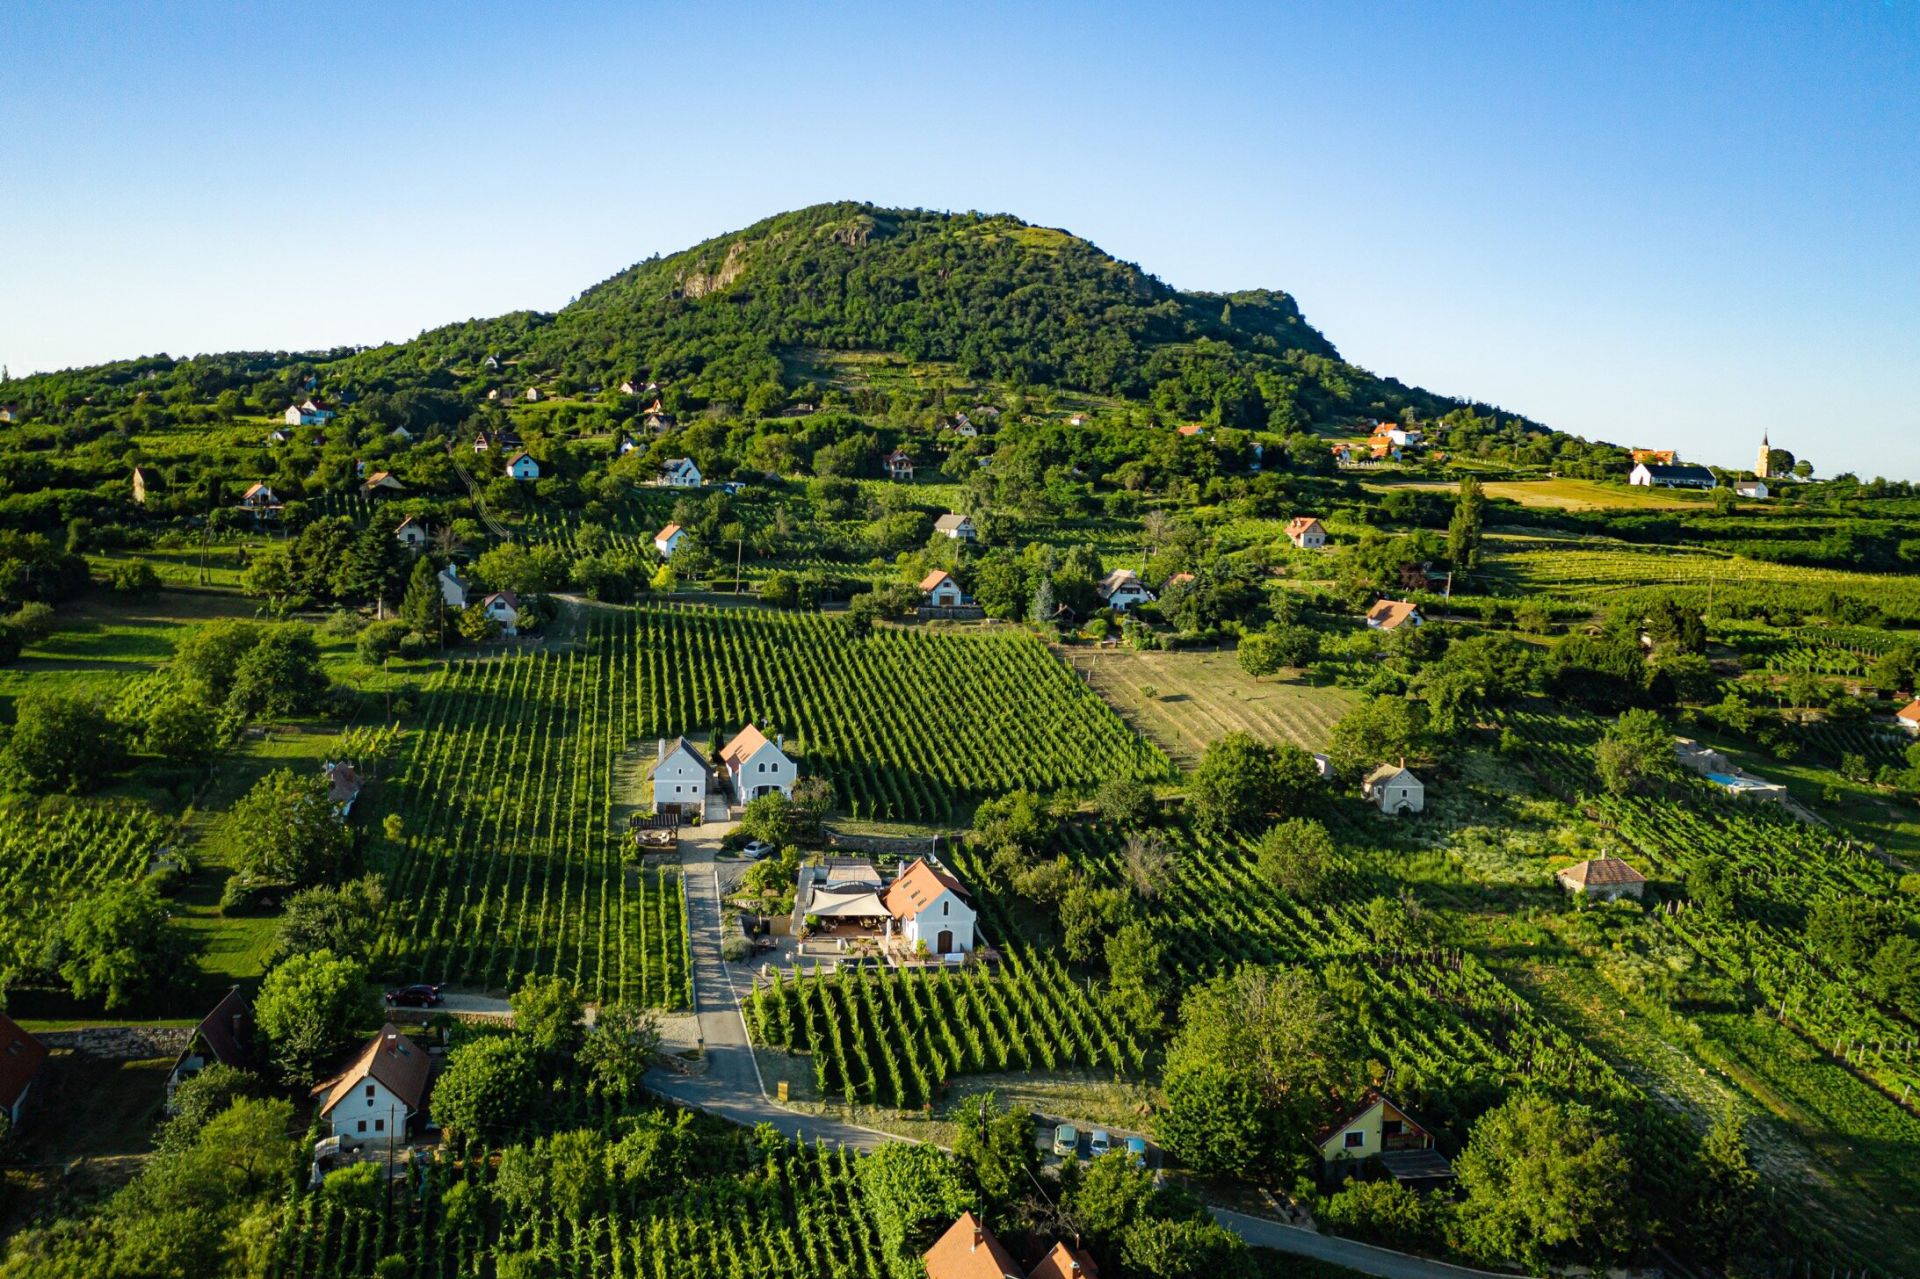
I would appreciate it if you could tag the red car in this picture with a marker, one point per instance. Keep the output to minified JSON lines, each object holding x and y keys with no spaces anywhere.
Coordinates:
{"x":420,"y":996}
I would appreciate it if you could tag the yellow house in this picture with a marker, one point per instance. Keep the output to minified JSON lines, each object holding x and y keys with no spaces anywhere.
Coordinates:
{"x":1380,"y":1129}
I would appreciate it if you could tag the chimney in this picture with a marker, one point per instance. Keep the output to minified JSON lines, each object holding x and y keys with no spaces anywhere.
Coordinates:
{"x":780,"y":741}
{"x":660,"y":750}
{"x":979,"y":1237}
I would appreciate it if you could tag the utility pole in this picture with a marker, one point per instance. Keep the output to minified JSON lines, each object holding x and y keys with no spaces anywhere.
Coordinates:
{"x":738,"y":544}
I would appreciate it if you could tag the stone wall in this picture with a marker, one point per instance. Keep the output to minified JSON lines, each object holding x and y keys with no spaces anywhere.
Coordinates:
{"x":121,"y":1043}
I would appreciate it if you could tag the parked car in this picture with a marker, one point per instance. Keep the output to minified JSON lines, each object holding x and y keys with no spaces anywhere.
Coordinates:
{"x":1066,"y":1141}
{"x":416,"y":996}
{"x":1137,"y":1151}
{"x":757,"y":849}
{"x":1100,"y":1144}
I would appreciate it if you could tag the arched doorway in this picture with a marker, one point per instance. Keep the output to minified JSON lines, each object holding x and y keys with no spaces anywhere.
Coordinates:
{"x":944,"y":943}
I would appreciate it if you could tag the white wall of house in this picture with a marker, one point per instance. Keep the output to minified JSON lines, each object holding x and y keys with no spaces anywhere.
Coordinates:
{"x":369,"y":1113}
{"x":668,"y":545}
{"x":505,"y":614}
{"x":946,"y":925}
{"x":1127,"y":596}
{"x":946,"y":595}
{"x":680,"y":779}
{"x":767,"y":769}
{"x":452,"y":589}
{"x":524,"y":468}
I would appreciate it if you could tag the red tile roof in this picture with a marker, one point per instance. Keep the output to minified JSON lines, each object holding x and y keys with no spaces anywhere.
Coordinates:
{"x":918,"y":887}
{"x":969,"y":1251}
{"x":1601,"y":872}
{"x":933,"y":579}
{"x":21,"y":1056}
{"x":393,"y":1060}
{"x":1910,"y":713}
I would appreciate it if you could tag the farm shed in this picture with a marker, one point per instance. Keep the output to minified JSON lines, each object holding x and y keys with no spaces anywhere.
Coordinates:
{"x":1393,"y":789}
{"x":224,"y":1037}
{"x":1603,"y":879}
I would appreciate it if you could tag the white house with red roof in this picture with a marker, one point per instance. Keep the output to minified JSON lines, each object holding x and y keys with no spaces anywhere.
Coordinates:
{"x":503,"y":608}
{"x":756,"y":766}
{"x":667,"y":540}
{"x":1306,"y":532}
{"x":899,"y":465}
{"x":929,"y":905}
{"x":939,"y":590}
{"x":1908,"y":717}
{"x":377,"y":1094}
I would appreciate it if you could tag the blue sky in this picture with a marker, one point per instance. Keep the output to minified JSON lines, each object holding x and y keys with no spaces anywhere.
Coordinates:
{"x":1666,"y":224}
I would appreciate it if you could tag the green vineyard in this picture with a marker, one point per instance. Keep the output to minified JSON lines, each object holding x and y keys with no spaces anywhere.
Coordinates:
{"x":908,"y":724}
{"x":510,"y":862}
{"x":53,"y":853}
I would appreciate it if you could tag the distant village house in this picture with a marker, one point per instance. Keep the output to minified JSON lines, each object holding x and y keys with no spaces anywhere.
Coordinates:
{"x":1603,"y":879}
{"x":1307,"y":533}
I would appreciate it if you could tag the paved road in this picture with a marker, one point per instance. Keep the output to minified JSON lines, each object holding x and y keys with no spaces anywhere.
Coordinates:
{"x":732,"y":1087}
{"x":1365,"y":1258}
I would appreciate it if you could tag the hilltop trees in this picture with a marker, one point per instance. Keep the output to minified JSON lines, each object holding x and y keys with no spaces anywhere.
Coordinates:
{"x":1240,"y":782}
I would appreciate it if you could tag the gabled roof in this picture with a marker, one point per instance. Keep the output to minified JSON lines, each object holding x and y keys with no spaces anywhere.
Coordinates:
{"x":20,"y":1058}
{"x":225,"y":1030}
{"x":522,"y":454}
{"x":392,"y":1060}
{"x":1390,"y":772}
{"x":745,"y":745}
{"x":667,"y":534}
{"x":968,"y":1250}
{"x":1910,"y":713}
{"x":918,"y":887}
{"x":1062,"y":1262}
{"x":1369,"y":1102}
{"x":949,"y":522}
{"x":508,"y":598}
{"x":256,"y":488}
{"x":1301,"y":524}
{"x":1601,"y":872}
{"x":1388,"y":614}
{"x":1118,"y":580}
{"x":409,"y":522}
{"x":674,"y":747}
{"x":343,"y":783}
{"x":932,"y":580}
{"x":1193,"y":428}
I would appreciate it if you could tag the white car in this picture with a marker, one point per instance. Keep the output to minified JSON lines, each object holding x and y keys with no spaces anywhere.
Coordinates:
{"x":1100,"y":1144}
{"x":757,"y":849}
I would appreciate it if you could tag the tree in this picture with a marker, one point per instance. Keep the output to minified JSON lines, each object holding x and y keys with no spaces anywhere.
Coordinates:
{"x":201,"y":1096}
{"x":344,"y":919}
{"x":280,"y":676}
{"x":994,"y":1147}
{"x":1240,"y":782}
{"x":179,"y":727}
{"x":1463,"y":531}
{"x":208,"y":655}
{"x":288,"y":830}
{"x":62,"y":742}
{"x":1124,"y":802}
{"x":770,"y":817}
{"x":1543,"y":1180}
{"x":1636,"y":751}
{"x":619,"y":1049}
{"x":1086,"y":914}
{"x":133,"y":577}
{"x":1112,"y":1195}
{"x":1376,"y":731}
{"x":423,"y":608}
{"x":1295,"y":857}
{"x":1185,"y":1248}
{"x":120,"y":944}
{"x":484,"y":1092}
{"x":548,"y":1012}
{"x":1257,"y":1057}
{"x":1148,"y":862}
{"x":1725,"y":1213}
{"x":307,"y":1009}
{"x":913,"y":1192}
{"x":1136,"y":976}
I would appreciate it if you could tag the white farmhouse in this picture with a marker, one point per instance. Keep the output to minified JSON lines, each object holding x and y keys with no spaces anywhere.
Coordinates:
{"x":956,"y":526}
{"x":1679,"y":475}
{"x":939,"y":590}
{"x":452,"y":590}
{"x":503,"y":608}
{"x":307,"y":413}
{"x":1307,"y":532}
{"x":411,"y":534}
{"x":375,"y":1097}
{"x":1121,"y":589}
{"x":755,"y":766}
{"x":680,"y":473}
{"x":681,"y":778}
{"x":1755,"y":489}
{"x":930,"y":906}
{"x":1908,"y":717}
{"x":1395,"y":790}
{"x":521,"y":466}
{"x":667,"y":540}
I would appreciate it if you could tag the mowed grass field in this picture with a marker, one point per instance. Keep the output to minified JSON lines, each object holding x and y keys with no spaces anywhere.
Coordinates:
{"x":1567,"y":495}
{"x":1199,"y":696}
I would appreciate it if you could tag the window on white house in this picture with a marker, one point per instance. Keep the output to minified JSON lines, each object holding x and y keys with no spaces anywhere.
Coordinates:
{"x":369,"y":1092}
{"x":946,"y":908}
{"x":379,"y":1125}
{"x":363,"y":1125}
{"x":1355,"y":1140}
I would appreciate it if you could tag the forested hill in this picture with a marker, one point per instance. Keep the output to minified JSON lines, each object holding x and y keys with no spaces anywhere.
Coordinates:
{"x":733,"y":324}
